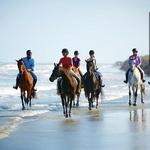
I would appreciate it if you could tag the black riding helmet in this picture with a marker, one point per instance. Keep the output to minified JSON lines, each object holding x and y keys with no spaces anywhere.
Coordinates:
{"x":65,"y":50}
{"x":76,"y":53}
{"x":134,"y":50}
{"x":91,"y":52}
{"x":29,"y":54}
{"x":28,"y":51}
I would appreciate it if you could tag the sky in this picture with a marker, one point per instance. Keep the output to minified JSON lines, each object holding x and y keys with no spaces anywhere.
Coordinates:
{"x":112,"y":28}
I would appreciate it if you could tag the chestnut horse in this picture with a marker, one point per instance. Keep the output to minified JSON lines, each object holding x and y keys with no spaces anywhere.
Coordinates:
{"x":25,"y":84}
{"x":92,"y":86}
{"x":67,"y":89}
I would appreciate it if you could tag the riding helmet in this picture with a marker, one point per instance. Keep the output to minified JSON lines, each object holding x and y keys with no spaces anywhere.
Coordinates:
{"x":65,"y":50}
{"x":134,"y":50}
{"x":28,"y":51}
{"x":76,"y":53}
{"x":91,"y":52}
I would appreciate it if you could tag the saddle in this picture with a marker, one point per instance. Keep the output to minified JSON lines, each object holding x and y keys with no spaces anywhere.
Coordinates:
{"x":72,"y":80}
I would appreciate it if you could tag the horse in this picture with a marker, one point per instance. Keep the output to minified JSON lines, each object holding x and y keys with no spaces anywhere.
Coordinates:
{"x":25,"y":84}
{"x":92,"y":86}
{"x":134,"y":83}
{"x":67,"y":90}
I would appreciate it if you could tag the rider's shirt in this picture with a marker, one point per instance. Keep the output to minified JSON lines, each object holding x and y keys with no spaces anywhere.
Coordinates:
{"x":137,"y":60}
{"x":66,"y":62}
{"x":29,"y":63}
{"x":76,"y":61}
{"x":93,"y":59}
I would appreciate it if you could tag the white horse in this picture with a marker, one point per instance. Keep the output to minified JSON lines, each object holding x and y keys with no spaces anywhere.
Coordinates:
{"x":135,"y":82}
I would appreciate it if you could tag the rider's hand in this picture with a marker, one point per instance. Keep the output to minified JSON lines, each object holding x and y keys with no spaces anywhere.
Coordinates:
{"x":29,"y":70}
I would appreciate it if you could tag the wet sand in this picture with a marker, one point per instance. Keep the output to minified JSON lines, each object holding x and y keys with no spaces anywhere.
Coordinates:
{"x":111,"y":127}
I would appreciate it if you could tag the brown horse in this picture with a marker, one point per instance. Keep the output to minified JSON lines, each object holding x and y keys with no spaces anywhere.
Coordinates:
{"x":66,"y":87}
{"x":25,"y":84}
{"x":92,"y":86}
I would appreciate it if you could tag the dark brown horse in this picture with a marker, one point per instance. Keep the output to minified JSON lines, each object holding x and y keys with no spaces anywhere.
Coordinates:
{"x":67,"y":90}
{"x":25,"y":84}
{"x":92,"y":86}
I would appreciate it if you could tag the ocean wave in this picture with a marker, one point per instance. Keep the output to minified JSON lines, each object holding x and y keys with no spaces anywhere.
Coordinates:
{"x":9,"y":126}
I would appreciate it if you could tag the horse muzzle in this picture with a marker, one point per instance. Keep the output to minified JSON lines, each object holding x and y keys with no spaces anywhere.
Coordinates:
{"x":51,"y":79}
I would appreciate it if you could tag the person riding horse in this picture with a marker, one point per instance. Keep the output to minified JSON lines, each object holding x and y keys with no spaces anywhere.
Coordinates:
{"x":97,"y":73}
{"x":76,"y":62}
{"x":67,"y":64}
{"x":138,"y":63}
{"x":29,"y":63}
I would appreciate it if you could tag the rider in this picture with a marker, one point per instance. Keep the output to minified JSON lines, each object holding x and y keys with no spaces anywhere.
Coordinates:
{"x":97,"y":73}
{"x":67,"y":64}
{"x":76,"y":62}
{"x":138,"y":62}
{"x":29,"y":63}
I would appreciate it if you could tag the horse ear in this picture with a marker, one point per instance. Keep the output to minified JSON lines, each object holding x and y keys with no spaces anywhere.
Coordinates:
{"x":55,"y":64}
{"x":85,"y":60}
{"x":17,"y":60}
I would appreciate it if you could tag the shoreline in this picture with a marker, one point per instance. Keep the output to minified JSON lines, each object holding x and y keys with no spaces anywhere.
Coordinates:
{"x":90,"y":128}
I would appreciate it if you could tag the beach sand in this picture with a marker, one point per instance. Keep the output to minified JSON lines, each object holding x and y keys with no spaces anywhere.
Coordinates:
{"x":111,"y":127}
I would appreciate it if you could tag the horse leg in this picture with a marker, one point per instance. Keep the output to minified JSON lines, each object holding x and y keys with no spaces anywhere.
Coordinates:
{"x":135,"y":95}
{"x":142,"y":94}
{"x":70,"y":106}
{"x":30,"y":101}
{"x":129,"y":96}
{"x":22,"y":100}
{"x":92,"y":99}
{"x":96,"y":102}
{"x":29,"y":97}
{"x":74,"y":104}
{"x":63,"y":104}
{"x":66,"y":104}
{"x":89,"y":99}
{"x":78,"y":96}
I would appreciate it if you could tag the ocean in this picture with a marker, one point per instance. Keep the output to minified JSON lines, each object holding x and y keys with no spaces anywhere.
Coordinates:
{"x":11,"y":114}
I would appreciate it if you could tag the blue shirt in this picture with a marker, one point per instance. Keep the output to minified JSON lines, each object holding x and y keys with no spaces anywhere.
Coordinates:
{"x":29,"y":63}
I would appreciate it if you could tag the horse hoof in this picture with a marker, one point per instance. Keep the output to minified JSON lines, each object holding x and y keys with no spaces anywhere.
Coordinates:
{"x":66,"y":116}
{"x":142,"y":102}
{"x":77,"y":105}
{"x":134,"y":104}
{"x":23,"y":108}
{"x":129,"y":103}
{"x":69,"y":115}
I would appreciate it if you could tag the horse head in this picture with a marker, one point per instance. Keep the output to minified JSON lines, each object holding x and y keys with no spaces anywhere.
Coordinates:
{"x":55,"y":73}
{"x":20,"y":65}
{"x":89,"y":67}
{"x":133,"y":65}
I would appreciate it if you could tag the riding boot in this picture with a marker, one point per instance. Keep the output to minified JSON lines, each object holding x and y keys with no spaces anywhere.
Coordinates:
{"x":103,"y":85}
{"x":17,"y":83}
{"x":34,"y":82}
{"x":101,"y":82}
{"x":126,"y":81}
